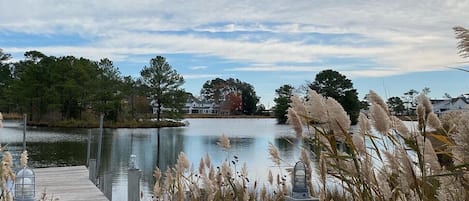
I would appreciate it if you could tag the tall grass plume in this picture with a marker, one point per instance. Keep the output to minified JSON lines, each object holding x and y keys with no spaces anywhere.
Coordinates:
{"x":386,"y":160}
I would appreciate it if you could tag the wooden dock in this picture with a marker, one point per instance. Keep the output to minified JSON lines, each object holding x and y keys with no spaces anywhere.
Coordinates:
{"x":67,"y":184}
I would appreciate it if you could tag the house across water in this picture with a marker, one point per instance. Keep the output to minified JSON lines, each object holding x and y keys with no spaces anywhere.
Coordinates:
{"x":196,"y":106}
{"x":442,"y":106}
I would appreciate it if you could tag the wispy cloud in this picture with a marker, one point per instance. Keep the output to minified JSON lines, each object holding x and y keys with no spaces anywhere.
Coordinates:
{"x":273,"y":68}
{"x":201,"y":76}
{"x":245,"y":39}
{"x":399,"y":37}
{"x":198,"y":67}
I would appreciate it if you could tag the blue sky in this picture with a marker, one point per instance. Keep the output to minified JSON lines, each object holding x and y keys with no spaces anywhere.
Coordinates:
{"x":386,"y":46}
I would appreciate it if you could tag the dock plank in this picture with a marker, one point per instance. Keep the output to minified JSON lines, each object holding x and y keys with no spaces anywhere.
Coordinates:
{"x":67,"y":183}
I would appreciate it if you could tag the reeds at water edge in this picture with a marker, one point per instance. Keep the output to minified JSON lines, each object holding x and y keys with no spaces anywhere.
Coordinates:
{"x":384,"y":160}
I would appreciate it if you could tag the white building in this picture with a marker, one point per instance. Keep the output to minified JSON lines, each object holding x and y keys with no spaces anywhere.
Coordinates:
{"x":196,"y":106}
{"x":192,"y":106}
{"x":442,"y":106}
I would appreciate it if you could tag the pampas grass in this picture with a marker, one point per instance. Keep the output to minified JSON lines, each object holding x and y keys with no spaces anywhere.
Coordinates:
{"x":380,"y":117}
{"x":338,"y":119}
{"x":384,"y":159}
{"x":24,"y":159}
{"x":225,"y":182}
{"x":393,"y":163}
{"x":274,"y":154}
{"x":7,"y":176}
{"x":375,"y":99}
{"x":316,"y":107}
{"x":224,"y":142}
{"x":295,"y":120}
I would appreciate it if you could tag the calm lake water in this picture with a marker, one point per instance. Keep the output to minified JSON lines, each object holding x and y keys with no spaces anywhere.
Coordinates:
{"x":249,"y":140}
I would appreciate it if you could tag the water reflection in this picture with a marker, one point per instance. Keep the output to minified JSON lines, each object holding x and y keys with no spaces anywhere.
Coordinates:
{"x":60,"y":154}
{"x":288,"y":146}
{"x":158,"y":147}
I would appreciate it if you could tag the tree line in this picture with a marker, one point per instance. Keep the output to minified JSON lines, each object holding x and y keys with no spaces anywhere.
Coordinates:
{"x":330,"y":83}
{"x":50,"y":88}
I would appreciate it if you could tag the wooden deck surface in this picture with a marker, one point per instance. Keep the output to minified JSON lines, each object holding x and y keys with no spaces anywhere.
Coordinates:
{"x":67,"y":183}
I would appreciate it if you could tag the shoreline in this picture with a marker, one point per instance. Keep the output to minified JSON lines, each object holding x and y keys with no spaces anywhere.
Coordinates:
{"x":15,"y":116}
{"x":216,"y":116}
{"x":128,"y":124}
{"x":132,"y":123}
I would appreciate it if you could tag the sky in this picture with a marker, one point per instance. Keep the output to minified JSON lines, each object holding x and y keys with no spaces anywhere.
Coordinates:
{"x":389,"y":47}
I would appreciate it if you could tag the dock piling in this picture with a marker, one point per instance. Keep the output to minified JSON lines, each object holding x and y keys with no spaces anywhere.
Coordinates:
{"x":133,"y":184}
{"x":92,"y":170}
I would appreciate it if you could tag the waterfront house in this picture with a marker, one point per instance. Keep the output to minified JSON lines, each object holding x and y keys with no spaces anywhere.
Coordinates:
{"x":442,"y":106}
{"x":195,"y":106}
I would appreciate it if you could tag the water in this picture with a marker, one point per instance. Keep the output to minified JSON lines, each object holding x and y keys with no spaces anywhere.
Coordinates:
{"x":249,"y":141}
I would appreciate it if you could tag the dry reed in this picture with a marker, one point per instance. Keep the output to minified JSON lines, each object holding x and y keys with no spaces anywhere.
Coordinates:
{"x":392,"y":163}
{"x":224,"y":182}
{"x":224,"y":142}
{"x":7,"y":176}
{"x":384,"y":160}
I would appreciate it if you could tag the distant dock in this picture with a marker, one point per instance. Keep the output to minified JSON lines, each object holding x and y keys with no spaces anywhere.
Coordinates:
{"x":67,"y":184}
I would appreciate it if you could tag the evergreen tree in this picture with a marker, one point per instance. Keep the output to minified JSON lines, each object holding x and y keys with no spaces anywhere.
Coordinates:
{"x":163,"y":83}
{"x":5,"y":80}
{"x":330,"y":83}
{"x":282,"y":102}
{"x":396,"y":105}
{"x":221,"y":91}
{"x":108,"y":93}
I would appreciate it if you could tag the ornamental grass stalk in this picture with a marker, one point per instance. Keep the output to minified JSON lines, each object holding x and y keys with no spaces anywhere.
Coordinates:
{"x":224,"y":142}
{"x":210,"y":182}
{"x":24,"y":159}
{"x":7,"y":176}
{"x":385,"y":160}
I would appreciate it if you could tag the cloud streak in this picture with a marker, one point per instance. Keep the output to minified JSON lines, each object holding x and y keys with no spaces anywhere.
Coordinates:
{"x":201,"y":76}
{"x":270,"y":68}
{"x":399,"y":36}
{"x":198,"y":67}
